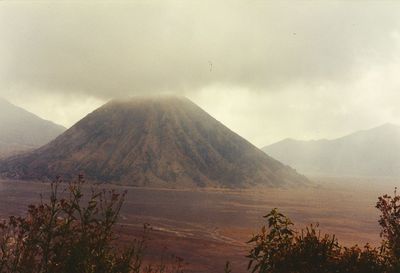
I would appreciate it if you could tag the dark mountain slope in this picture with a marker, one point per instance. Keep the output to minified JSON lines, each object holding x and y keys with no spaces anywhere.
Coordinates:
{"x":156,"y":141}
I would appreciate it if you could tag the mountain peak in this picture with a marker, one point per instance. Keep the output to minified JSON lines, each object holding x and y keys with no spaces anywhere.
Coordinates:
{"x":149,"y":98}
{"x":146,"y":101}
{"x":386,"y":126}
{"x":21,"y":130}
{"x":371,"y":152}
{"x":158,"y":141}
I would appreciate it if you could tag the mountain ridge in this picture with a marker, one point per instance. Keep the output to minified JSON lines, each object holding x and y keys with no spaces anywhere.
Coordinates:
{"x":371,"y":152}
{"x":153,"y":141}
{"x":21,"y":130}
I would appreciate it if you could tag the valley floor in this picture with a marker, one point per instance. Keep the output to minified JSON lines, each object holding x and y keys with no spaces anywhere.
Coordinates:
{"x":206,"y":227}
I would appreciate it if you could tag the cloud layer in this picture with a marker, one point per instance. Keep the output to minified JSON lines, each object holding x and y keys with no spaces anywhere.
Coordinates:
{"x":268,"y":70}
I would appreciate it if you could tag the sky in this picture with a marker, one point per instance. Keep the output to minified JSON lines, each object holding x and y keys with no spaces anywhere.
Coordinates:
{"x":268,"y":70}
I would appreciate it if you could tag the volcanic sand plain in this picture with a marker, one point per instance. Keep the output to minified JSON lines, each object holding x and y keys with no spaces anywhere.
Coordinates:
{"x":207,"y":227}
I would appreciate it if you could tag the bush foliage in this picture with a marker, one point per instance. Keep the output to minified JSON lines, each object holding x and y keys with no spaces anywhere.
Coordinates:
{"x":278,"y":248}
{"x":71,"y":234}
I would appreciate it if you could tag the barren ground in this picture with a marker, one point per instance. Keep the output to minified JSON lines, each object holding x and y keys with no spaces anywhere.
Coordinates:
{"x":206,"y":227}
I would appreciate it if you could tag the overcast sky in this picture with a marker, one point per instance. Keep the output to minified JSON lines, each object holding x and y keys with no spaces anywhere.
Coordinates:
{"x":266,"y":69}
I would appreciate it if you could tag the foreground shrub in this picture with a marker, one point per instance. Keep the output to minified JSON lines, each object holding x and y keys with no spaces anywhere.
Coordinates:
{"x":390,"y":222}
{"x":278,"y":248}
{"x":70,"y":234}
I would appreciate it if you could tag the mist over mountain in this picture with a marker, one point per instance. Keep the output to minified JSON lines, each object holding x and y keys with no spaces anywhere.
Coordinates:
{"x":153,"y":141}
{"x":373,"y":152}
{"x":21,"y":130}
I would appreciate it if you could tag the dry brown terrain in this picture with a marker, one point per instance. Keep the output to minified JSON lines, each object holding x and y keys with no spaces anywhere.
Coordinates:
{"x":207,"y":227}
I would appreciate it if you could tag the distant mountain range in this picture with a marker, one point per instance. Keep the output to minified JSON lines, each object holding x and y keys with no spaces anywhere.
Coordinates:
{"x":153,"y":141}
{"x":21,"y":130}
{"x":374,"y":152}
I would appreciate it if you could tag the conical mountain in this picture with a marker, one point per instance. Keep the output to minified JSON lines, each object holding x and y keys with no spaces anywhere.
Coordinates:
{"x":21,"y":130}
{"x":153,"y":141}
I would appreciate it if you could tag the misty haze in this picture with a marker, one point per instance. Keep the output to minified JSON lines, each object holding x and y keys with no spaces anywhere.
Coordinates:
{"x":199,"y":136}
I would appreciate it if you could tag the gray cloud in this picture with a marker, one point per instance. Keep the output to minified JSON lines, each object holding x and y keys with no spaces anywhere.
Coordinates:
{"x":307,"y":56}
{"x":113,"y":49}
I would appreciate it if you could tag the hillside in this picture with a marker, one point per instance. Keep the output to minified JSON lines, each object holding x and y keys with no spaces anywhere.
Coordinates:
{"x":153,"y":141}
{"x":21,"y":130}
{"x":374,"y":152}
